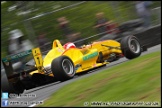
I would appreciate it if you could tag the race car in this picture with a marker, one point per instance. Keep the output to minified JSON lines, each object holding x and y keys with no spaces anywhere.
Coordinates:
{"x":63,"y":62}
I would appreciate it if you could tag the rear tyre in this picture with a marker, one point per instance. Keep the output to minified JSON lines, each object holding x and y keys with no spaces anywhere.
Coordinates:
{"x":38,"y":79}
{"x":130,"y":47}
{"x":63,"y":68}
{"x":11,"y":87}
{"x":19,"y":87}
{"x":5,"y":85}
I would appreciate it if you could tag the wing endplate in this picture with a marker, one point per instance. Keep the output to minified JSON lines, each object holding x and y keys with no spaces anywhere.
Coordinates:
{"x":38,"y":59}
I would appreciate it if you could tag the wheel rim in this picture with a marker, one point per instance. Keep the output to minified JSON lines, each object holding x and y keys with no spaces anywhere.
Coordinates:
{"x":134,"y":45}
{"x":67,"y":66}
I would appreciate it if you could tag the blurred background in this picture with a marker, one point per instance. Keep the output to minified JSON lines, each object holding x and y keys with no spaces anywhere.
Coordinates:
{"x":38,"y":23}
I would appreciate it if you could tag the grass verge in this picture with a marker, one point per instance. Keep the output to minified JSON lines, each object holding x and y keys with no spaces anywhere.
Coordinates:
{"x":137,"y":80}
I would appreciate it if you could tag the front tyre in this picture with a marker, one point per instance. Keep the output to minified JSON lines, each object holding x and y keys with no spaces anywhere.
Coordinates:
{"x":130,"y":47}
{"x":63,"y":68}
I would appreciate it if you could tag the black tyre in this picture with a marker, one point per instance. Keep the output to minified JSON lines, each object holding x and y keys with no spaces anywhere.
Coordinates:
{"x":38,"y":79}
{"x":10,"y":87}
{"x":18,"y":87}
{"x":5,"y":85}
{"x":63,"y":68}
{"x":130,"y":47}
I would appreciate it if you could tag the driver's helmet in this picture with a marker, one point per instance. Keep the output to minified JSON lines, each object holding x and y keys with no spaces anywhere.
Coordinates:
{"x":69,"y":45}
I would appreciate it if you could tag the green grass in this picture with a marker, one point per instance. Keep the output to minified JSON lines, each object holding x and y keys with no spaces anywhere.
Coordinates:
{"x":137,"y":80}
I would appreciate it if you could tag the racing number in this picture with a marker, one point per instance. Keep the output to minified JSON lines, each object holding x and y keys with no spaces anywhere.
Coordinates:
{"x":38,"y":58}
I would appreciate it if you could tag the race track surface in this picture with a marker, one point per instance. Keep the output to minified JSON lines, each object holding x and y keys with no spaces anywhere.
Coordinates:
{"x":43,"y":92}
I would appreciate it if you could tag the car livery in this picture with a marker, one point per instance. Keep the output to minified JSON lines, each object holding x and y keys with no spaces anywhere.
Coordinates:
{"x":62,"y":63}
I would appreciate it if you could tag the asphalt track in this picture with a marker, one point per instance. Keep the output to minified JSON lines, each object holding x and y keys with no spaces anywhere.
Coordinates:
{"x":44,"y":92}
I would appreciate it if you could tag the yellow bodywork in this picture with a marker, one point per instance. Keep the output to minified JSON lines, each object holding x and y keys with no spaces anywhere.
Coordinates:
{"x":84,"y":58}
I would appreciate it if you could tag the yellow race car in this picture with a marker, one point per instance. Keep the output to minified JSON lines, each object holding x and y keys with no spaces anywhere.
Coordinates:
{"x":62,"y":63}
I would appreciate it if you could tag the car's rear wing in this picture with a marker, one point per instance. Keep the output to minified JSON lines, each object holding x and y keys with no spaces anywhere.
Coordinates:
{"x":23,"y":57}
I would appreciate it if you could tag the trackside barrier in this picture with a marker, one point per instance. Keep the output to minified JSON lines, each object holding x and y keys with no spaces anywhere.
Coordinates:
{"x":149,"y":37}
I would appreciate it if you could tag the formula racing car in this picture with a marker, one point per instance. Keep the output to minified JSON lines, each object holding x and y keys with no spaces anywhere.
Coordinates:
{"x":62,"y":63}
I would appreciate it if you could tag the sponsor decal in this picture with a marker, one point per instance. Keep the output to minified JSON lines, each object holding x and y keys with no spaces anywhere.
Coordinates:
{"x":90,"y":56}
{"x":16,"y":56}
{"x":38,"y":58}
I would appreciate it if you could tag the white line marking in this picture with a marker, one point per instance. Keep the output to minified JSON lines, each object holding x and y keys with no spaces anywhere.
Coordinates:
{"x":32,"y":105}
